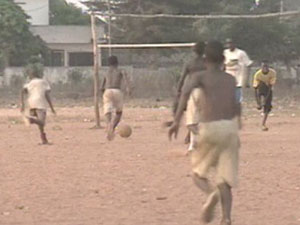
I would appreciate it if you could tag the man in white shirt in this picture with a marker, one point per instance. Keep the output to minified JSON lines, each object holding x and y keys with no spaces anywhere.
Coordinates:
{"x":38,"y":92}
{"x":236,"y":64}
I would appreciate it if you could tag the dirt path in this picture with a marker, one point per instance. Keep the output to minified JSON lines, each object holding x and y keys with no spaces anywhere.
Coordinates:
{"x":83,"y":180}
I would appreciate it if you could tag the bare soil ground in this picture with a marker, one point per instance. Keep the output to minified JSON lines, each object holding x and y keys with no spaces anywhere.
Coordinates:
{"x":82,"y":179}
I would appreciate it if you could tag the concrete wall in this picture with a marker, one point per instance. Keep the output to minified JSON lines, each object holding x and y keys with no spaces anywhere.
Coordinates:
{"x":64,"y":80}
{"x":146,"y":82}
{"x":38,"y":10}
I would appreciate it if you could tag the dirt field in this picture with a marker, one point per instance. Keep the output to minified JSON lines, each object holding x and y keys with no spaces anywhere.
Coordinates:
{"x":84,"y":180}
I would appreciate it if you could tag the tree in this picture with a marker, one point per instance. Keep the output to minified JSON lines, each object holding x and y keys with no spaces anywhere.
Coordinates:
{"x":17,"y":43}
{"x":62,"y":13}
{"x":275,"y":39}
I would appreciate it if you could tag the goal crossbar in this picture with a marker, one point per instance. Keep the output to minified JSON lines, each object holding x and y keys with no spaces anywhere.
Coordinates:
{"x":154,"y":45}
{"x":266,"y":15}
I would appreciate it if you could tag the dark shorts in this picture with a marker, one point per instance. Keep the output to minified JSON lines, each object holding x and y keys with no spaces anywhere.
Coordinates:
{"x":266,"y":94}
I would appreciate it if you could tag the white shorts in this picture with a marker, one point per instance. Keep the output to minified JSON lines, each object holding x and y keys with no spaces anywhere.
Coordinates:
{"x":217,"y":146}
{"x":194,"y":105}
{"x":112,"y":101}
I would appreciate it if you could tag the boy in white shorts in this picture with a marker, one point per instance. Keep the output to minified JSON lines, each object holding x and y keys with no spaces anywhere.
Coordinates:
{"x":38,"y":92}
{"x":217,"y":140}
{"x":113,"y":97}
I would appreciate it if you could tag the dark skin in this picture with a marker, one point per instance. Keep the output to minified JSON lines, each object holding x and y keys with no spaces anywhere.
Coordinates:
{"x":265,"y":70}
{"x":196,"y":65}
{"x":113,"y":80}
{"x":37,"y":117}
{"x":220,"y":104}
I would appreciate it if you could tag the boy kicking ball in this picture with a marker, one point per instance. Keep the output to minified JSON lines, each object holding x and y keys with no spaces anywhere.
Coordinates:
{"x":38,"y":95}
{"x":113,"y":97}
{"x":216,"y":136}
{"x":264,"y":80}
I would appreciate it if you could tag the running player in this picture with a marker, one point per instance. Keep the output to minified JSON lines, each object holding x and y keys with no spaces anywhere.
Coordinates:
{"x":38,"y":91}
{"x":113,"y":97}
{"x":217,"y":143}
{"x":264,"y":80}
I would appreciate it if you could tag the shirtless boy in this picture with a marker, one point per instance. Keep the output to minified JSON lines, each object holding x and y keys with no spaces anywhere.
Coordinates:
{"x":113,"y":97}
{"x":216,"y":136}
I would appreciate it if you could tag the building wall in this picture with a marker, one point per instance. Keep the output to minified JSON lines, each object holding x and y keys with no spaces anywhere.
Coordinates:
{"x":38,"y":10}
{"x":69,"y":48}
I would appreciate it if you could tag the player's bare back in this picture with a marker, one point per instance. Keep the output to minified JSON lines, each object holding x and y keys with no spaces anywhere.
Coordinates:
{"x":114,"y":78}
{"x":219,"y":102}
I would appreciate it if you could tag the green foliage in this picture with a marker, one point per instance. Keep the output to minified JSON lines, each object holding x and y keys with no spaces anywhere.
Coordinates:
{"x":272,"y":39}
{"x":64,"y":14}
{"x":17,"y":43}
{"x":35,"y":69}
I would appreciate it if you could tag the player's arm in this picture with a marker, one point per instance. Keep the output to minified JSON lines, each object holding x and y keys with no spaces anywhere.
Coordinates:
{"x":182,"y":79}
{"x":273,"y":79}
{"x":189,"y":85}
{"x":102,"y":85}
{"x":255,"y":86}
{"x":179,"y":88}
{"x":23,"y":93}
{"x":48,"y":98}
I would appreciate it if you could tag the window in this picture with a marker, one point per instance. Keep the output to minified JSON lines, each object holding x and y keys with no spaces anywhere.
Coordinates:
{"x":81,"y":59}
{"x":56,"y":58}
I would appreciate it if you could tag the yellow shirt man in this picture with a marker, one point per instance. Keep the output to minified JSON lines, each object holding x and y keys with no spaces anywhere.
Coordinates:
{"x":268,"y":78}
{"x":264,"y":80}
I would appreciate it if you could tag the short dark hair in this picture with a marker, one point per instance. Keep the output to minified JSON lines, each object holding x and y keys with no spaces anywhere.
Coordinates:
{"x":214,"y":52}
{"x":199,"y":47}
{"x":113,"y":60}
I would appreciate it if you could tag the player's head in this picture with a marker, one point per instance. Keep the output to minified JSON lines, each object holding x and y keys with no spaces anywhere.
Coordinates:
{"x":230,"y":44}
{"x":34,"y":70}
{"x":199,"y":48}
{"x":265,"y":66}
{"x":214,"y":52}
{"x":113,"y":61}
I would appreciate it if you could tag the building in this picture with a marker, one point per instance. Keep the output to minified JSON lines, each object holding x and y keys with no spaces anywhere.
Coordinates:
{"x":69,"y":45}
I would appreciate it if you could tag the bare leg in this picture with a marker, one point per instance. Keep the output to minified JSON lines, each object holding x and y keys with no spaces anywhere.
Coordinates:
{"x":202,"y":183}
{"x":264,"y":127}
{"x":226,"y":202}
{"x":109,"y":126}
{"x":117,"y":119}
{"x":40,"y":120}
{"x":187,"y":138}
{"x":212,"y":200}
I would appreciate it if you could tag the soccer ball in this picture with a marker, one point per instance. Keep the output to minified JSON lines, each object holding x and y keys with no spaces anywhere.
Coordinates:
{"x":124,"y":131}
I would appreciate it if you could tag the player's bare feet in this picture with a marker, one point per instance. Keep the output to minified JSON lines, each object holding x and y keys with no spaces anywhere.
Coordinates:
{"x":44,"y":139}
{"x":26,"y":120}
{"x":187,"y":138}
{"x":209,"y":207}
{"x":188,"y":152}
{"x":225,"y":222}
{"x":264,"y":128}
{"x":167,"y":124}
{"x":110,"y":133}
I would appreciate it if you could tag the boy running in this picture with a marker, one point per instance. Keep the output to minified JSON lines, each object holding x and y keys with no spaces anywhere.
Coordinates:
{"x":217,"y":141}
{"x":38,"y":92}
{"x":197,"y":64}
{"x":264,"y":80}
{"x":112,"y":95}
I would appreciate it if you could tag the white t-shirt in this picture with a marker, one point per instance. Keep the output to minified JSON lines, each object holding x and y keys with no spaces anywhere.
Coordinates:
{"x":37,"y":89}
{"x":236,"y":63}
